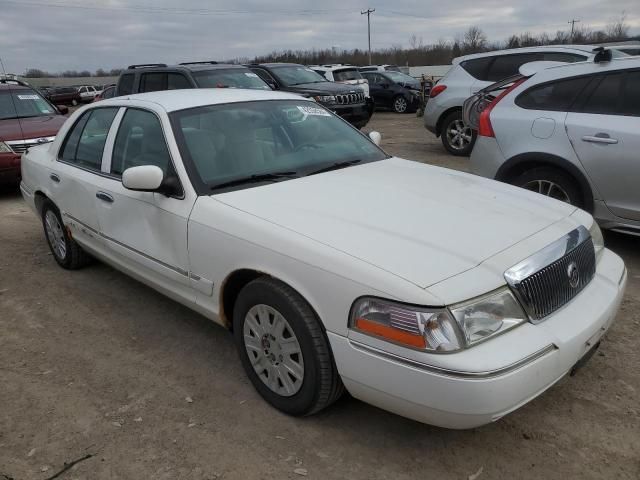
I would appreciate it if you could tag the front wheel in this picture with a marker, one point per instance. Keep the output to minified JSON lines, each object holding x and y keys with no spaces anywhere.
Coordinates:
{"x":283,"y":348}
{"x":551,"y":182}
{"x":457,"y":138}
{"x":65,"y":250}
{"x":400,"y":104}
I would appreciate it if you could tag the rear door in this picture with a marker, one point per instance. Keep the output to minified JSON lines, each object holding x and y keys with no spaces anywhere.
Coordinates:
{"x":605,"y":134}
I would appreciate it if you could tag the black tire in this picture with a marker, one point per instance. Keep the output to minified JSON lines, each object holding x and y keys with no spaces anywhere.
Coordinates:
{"x":540,"y":178}
{"x":451,"y":122}
{"x":74,"y":256}
{"x":321,"y":385}
{"x":398,"y":102}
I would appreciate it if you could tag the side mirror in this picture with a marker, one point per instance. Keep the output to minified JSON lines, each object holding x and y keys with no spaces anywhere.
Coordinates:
{"x":376,"y":137}
{"x":63,"y":109}
{"x":147,"y":178}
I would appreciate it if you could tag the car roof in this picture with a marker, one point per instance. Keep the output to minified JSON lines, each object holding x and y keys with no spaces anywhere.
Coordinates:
{"x":334,"y":66}
{"x":14,"y":86}
{"x":508,"y":51}
{"x":194,"y":67}
{"x":275,"y":64}
{"x":173,"y":100}
{"x":584,"y":68}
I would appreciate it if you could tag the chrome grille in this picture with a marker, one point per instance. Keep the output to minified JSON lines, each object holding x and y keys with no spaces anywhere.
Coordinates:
{"x":21,"y":146}
{"x":554,"y":276}
{"x":350,"y":98}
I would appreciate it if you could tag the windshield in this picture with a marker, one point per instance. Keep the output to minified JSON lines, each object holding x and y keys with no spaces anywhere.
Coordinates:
{"x":346,"y":74}
{"x":224,"y":143}
{"x":399,"y":77}
{"x":231,"y":78}
{"x":297,"y":74}
{"x":23,"y":103}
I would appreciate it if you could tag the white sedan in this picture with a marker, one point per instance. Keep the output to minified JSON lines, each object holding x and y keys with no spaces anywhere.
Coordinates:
{"x":441,"y":296}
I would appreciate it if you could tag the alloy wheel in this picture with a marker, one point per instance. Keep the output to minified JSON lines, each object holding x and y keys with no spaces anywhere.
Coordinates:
{"x":459,"y":135}
{"x":400,"y":105}
{"x":273,"y":350}
{"x":548,"y":188}
{"x":55,"y":235}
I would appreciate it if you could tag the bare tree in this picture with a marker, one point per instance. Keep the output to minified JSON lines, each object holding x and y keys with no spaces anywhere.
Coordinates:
{"x":474,"y":40}
{"x":618,"y":30}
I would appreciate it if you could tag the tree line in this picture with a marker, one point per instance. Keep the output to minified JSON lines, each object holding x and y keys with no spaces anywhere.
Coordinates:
{"x":442,"y":52}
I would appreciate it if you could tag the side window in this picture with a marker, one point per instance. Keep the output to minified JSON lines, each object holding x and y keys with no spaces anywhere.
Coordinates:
{"x":632,"y":94}
{"x":140,"y":141}
{"x":83,"y":89}
{"x":152,"y":82}
{"x":477,"y":67}
{"x":504,"y":66}
{"x":555,"y":96}
{"x":84,"y":145}
{"x":264,"y":75}
{"x":177,"y":81}
{"x":125,"y":86}
{"x":563,"y":57}
{"x":606,"y":98}
{"x":109,"y":93}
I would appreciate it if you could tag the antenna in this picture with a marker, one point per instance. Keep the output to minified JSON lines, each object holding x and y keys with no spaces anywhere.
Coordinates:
{"x":13,"y":100}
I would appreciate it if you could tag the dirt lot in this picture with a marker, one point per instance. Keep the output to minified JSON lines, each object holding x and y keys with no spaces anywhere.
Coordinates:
{"x":92,"y":362}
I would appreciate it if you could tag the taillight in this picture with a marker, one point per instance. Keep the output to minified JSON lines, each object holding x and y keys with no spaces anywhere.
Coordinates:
{"x":437,"y":90}
{"x":485,"y":129}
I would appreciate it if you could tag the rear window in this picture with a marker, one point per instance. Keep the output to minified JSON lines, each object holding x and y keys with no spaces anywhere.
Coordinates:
{"x":477,"y":67}
{"x":346,"y":74}
{"x":553,"y":96}
{"x":504,"y":66}
{"x":125,"y":86}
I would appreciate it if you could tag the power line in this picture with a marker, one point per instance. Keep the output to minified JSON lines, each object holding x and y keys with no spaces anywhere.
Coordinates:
{"x":368,"y":13}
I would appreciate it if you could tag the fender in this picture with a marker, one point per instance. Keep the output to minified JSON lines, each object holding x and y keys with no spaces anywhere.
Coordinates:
{"x":524,"y":161}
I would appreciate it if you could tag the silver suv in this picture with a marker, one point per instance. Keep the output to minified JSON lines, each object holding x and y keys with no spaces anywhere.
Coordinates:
{"x":571,"y":132}
{"x":442,"y":115}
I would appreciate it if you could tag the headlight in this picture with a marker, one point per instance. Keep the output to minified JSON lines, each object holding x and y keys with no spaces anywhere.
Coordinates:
{"x":433,"y":330}
{"x":438,"y":330}
{"x":597,"y":239}
{"x":4,"y":148}
{"x":488,"y":316}
{"x":325,"y":99}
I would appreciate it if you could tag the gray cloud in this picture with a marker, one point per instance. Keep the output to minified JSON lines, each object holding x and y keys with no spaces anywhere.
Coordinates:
{"x":51,"y":35}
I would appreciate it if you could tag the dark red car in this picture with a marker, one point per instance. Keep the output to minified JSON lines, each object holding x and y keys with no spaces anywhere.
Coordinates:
{"x":26,"y":119}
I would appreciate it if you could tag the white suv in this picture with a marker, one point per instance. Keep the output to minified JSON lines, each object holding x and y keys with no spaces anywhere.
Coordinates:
{"x":342,"y":73}
{"x":443,"y":113}
{"x":571,"y":132}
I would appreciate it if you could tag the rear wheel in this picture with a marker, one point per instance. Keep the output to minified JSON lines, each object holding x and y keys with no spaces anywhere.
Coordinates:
{"x":65,"y":250}
{"x":551,"y":182}
{"x":283,"y":348}
{"x":457,"y":138}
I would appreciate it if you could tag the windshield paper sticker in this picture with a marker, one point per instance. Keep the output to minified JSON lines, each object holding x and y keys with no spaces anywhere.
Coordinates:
{"x":251,"y":74}
{"x":28,"y":97}
{"x":320,"y":112}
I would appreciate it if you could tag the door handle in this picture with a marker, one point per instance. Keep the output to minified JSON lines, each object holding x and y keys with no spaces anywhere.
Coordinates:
{"x":600,"y":138}
{"x":54,"y":177}
{"x":105,"y":197}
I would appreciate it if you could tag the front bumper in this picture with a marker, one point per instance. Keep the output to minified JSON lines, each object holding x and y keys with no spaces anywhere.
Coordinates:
{"x":9,"y":168}
{"x":488,"y":381}
{"x":357,"y":115}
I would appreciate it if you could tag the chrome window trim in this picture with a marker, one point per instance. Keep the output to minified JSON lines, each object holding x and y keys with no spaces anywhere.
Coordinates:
{"x":463,"y":375}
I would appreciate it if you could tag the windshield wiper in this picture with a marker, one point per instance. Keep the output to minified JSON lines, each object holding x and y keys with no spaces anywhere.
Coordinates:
{"x":335,"y":166}
{"x":263,"y":177}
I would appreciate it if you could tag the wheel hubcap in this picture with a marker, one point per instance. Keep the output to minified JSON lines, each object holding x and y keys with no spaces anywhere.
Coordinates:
{"x":459,"y":135}
{"x":55,"y":235}
{"x":548,"y":188}
{"x":274,"y":350}
{"x":400,"y":105}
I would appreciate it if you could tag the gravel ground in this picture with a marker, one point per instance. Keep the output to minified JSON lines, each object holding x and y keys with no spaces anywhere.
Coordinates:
{"x":95,"y":363}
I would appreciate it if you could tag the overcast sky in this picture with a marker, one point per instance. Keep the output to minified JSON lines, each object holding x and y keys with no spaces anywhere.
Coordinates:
{"x":58,"y":35}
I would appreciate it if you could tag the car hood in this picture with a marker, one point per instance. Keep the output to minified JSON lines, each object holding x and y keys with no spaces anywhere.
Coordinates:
{"x":422,"y":223}
{"x":322,"y":88}
{"x":33,"y":127}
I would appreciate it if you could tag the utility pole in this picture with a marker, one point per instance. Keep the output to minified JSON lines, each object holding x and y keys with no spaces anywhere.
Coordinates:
{"x":368,"y":13}
{"x":573,"y":22}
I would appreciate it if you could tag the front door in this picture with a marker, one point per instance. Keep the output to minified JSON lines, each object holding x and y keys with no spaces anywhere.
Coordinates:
{"x":605,"y":135}
{"x":145,"y":231}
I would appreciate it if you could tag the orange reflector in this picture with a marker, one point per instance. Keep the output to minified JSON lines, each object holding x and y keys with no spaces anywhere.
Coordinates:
{"x":390,"y":333}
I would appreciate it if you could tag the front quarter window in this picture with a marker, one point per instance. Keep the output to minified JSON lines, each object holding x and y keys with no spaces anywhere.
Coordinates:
{"x":230,"y":142}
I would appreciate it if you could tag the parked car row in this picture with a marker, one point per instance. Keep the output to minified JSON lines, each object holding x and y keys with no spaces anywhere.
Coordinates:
{"x":271,"y":216}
